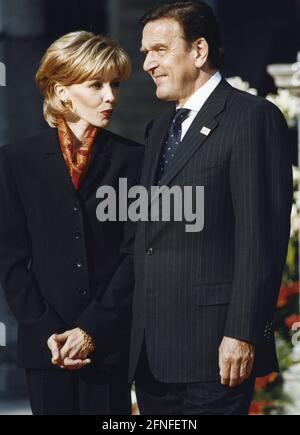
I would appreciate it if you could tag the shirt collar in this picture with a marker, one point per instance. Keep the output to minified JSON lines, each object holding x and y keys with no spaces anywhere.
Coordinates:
{"x":198,"y":98}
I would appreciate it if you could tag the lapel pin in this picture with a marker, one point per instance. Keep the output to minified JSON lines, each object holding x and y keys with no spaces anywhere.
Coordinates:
{"x":205,"y":130}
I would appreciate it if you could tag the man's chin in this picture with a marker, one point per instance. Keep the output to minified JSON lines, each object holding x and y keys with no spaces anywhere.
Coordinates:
{"x":162,"y":95}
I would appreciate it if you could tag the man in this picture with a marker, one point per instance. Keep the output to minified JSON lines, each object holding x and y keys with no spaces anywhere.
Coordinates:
{"x":204,"y":301}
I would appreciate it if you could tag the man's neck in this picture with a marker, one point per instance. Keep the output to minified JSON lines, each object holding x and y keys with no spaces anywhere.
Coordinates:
{"x":204,"y":76}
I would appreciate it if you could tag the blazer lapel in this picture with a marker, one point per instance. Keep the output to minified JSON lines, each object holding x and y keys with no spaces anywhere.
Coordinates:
{"x":58,"y":171}
{"x":55,"y":164}
{"x":100,"y":162}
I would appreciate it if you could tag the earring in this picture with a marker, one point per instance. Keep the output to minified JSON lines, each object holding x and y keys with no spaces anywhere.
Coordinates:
{"x":67,"y":104}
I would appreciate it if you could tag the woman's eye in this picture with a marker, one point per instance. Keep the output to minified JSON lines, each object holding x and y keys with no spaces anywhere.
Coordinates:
{"x":116,"y":84}
{"x":97,"y":85}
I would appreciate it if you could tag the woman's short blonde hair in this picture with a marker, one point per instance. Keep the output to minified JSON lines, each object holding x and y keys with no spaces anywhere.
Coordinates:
{"x":75,"y":58}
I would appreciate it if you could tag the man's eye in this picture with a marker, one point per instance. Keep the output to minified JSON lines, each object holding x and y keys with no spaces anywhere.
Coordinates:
{"x":161,"y":50}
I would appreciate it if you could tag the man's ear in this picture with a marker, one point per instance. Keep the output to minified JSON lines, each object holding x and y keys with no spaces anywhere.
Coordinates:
{"x":202,"y":50}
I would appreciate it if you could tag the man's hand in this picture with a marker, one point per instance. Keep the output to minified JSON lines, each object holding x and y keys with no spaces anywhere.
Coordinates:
{"x":67,"y":349}
{"x":236,"y":359}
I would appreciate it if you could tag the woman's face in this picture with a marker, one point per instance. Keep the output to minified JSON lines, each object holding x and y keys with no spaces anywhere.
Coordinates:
{"x":93,"y":101}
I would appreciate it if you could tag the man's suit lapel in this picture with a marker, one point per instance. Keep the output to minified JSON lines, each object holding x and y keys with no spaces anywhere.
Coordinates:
{"x":205,"y":122}
{"x":192,"y":141}
{"x":156,"y":145}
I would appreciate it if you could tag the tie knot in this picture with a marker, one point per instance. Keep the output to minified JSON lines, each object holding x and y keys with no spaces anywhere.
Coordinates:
{"x":180,"y":116}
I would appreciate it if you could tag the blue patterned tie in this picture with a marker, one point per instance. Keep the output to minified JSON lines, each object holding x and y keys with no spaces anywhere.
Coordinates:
{"x":172,"y":141}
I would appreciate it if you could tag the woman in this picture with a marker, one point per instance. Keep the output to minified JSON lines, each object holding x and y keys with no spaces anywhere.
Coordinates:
{"x":61,"y":268}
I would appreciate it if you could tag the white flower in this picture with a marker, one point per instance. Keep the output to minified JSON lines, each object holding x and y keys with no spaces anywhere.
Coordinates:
{"x":296,"y":173}
{"x":295,"y":213}
{"x":287,"y":103}
{"x":295,"y":221}
{"x":284,"y":100}
{"x":238,"y":83}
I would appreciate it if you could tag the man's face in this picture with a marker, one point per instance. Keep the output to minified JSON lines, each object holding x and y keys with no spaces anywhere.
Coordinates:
{"x":169,"y":61}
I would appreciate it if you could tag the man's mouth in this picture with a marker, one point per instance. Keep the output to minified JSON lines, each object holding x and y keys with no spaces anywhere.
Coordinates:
{"x":159,"y":77}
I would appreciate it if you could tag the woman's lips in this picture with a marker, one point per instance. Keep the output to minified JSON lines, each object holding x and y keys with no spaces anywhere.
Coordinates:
{"x":107,"y":113}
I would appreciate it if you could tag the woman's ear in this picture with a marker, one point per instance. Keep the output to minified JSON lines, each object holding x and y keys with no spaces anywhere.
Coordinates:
{"x":60,"y":92}
{"x":202,"y":50}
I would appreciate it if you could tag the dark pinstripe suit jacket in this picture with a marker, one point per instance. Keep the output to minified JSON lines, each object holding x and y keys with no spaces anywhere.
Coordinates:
{"x":194,"y":288}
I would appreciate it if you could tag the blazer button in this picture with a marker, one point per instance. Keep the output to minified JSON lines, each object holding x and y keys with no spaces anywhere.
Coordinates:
{"x":76,"y":208}
{"x":79,"y":264}
{"x":77,"y":235}
{"x":149,"y":251}
{"x":82,"y":292}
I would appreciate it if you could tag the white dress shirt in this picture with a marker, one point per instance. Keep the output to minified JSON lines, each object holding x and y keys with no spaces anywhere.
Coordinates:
{"x":196,"y":101}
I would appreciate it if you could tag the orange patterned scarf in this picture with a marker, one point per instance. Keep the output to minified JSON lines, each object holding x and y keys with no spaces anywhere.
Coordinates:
{"x":76,"y":160}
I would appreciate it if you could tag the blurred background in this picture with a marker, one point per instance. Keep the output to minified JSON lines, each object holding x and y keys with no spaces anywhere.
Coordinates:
{"x":256,"y":33}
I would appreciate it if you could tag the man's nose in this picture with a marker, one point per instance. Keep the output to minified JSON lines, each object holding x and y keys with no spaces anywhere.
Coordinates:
{"x":150,"y":63}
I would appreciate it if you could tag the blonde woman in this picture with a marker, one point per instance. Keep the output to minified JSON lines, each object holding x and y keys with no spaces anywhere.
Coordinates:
{"x":61,"y":268}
